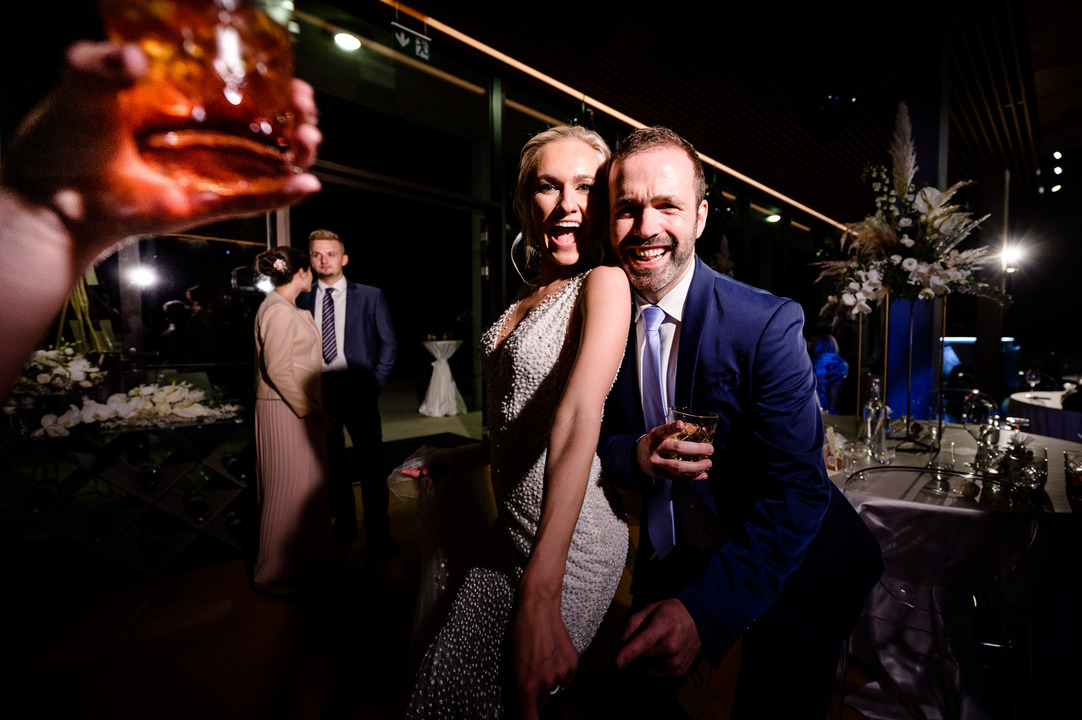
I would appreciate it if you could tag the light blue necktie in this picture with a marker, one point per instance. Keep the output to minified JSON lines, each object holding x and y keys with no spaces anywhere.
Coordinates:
{"x":659,"y":518}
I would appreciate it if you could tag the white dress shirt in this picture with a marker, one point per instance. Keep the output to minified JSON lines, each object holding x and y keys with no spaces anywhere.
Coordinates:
{"x":339,"y":363}
{"x":673,"y":305}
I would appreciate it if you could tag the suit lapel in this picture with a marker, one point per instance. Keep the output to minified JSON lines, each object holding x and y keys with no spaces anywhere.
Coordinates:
{"x":628,"y":380}
{"x":698,"y":315}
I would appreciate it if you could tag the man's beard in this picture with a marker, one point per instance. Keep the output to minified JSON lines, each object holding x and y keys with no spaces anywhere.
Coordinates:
{"x":654,"y":279}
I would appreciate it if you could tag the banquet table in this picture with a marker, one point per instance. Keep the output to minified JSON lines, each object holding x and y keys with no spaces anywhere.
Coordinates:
{"x":442,"y":397}
{"x":943,"y":550}
{"x":1046,"y":415}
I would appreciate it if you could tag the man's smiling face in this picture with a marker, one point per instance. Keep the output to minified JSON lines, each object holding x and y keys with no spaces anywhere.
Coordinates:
{"x":655,"y":218}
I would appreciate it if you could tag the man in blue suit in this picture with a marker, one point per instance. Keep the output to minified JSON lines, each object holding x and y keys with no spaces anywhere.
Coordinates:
{"x":359,"y":348}
{"x":752,"y":541}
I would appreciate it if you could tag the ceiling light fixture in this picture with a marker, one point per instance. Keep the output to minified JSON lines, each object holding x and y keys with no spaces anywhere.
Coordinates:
{"x":347,"y":42}
{"x":593,"y":102}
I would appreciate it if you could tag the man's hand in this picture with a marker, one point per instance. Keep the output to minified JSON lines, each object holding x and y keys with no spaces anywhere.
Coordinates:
{"x":664,"y":637}
{"x":543,"y":659}
{"x":655,"y":449}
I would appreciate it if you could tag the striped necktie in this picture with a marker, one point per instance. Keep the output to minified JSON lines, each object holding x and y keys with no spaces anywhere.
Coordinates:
{"x":659,"y":515}
{"x":330,"y":349}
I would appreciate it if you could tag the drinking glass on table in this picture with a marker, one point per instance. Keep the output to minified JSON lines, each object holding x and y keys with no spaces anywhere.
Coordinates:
{"x":213,"y":111}
{"x":699,"y":427}
{"x":1033,"y":378}
{"x":1072,"y":472}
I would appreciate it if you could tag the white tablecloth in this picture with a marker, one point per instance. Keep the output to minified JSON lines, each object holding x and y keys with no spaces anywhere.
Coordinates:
{"x":940,"y":551}
{"x":1046,"y":414}
{"x":443,"y":397}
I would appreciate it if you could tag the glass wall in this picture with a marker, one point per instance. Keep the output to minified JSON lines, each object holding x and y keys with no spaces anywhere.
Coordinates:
{"x":418,"y":166}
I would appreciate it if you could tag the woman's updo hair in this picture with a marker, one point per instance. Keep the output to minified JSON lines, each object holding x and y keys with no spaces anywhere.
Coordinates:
{"x":281,"y":263}
{"x":527,"y":169}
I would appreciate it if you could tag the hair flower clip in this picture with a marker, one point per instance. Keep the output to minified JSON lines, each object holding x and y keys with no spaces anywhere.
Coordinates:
{"x":280,"y":265}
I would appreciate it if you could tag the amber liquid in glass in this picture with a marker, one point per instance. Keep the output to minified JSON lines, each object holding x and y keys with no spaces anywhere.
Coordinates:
{"x":696,"y":430}
{"x":213,"y":111}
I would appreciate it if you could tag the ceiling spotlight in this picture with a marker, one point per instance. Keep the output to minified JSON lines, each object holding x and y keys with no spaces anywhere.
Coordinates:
{"x":347,"y":42}
{"x":773,"y":218}
{"x":1057,"y":188}
{"x":1057,"y":155}
{"x":1057,"y":170}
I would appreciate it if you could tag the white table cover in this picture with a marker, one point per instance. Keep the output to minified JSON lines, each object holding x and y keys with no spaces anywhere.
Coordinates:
{"x":1046,"y":415}
{"x":442,"y":397}
{"x":939,"y":547}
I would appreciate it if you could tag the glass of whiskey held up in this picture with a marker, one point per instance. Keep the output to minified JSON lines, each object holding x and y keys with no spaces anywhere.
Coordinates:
{"x":214,"y":110}
{"x":699,"y":427}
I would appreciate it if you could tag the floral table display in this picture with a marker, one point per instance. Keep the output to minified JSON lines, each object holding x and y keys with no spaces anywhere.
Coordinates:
{"x":145,"y":406}
{"x":58,"y":371}
{"x":909,"y":249}
{"x":61,"y":388}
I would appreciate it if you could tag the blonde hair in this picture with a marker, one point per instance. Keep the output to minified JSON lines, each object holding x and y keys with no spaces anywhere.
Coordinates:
{"x":527,"y":169}
{"x":326,"y":235}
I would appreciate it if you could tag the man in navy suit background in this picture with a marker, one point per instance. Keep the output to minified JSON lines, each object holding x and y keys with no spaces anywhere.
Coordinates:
{"x":359,"y":349}
{"x":752,"y":541}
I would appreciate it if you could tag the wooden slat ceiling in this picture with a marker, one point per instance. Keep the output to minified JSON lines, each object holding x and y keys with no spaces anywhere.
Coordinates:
{"x":748,"y":85}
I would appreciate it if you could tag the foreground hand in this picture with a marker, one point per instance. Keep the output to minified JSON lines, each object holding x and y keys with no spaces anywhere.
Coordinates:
{"x":654,"y":453}
{"x":543,"y":659}
{"x":664,"y":637}
{"x":74,"y":154}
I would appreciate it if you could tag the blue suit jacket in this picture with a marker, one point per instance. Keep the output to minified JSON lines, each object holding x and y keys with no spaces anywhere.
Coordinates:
{"x":370,"y":344}
{"x":794,"y":536}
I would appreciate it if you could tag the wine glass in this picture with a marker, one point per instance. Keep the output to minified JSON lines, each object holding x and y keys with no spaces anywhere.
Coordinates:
{"x":1032,"y":378}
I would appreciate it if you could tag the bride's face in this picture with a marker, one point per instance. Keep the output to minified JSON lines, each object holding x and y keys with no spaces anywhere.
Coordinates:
{"x":566,"y":205}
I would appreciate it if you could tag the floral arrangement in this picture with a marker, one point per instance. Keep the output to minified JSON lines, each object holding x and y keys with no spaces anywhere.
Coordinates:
{"x":909,"y":247}
{"x":144,"y":406}
{"x":58,"y":371}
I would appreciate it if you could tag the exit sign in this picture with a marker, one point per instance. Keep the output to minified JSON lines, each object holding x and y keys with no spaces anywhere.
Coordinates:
{"x":411,"y":42}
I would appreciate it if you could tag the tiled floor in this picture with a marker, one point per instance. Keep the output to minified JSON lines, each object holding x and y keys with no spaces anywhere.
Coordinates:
{"x":201,"y":644}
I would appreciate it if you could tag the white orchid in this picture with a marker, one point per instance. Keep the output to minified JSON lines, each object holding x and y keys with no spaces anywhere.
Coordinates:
{"x":57,"y":426}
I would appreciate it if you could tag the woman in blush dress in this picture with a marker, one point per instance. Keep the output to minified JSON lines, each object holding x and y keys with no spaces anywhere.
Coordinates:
{"x":534,"y":599}
{"x":290,"y":431}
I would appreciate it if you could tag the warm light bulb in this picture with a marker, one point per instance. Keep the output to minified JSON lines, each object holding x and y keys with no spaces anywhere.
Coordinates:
{"x":1057,"y":155}
{"x":1057,"y":188}
{"x":773,"y":218}
{"x":347,"y":41}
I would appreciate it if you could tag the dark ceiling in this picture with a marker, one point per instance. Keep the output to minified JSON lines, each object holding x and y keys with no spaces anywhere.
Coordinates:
{"x":748,"y":83}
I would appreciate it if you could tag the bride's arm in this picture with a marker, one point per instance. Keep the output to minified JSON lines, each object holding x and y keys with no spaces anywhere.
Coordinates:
{"x":542,"y":655}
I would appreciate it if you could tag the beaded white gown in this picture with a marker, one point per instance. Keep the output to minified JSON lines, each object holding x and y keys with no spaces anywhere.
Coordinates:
{"x":463,"y":672}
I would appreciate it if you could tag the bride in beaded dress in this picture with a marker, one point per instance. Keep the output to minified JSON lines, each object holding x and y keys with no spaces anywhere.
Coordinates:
{"x":547,"y":572}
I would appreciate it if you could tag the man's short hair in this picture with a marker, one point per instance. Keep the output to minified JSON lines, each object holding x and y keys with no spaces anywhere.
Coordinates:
{"x":326,"y":235}
{"x":658,"y":138}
